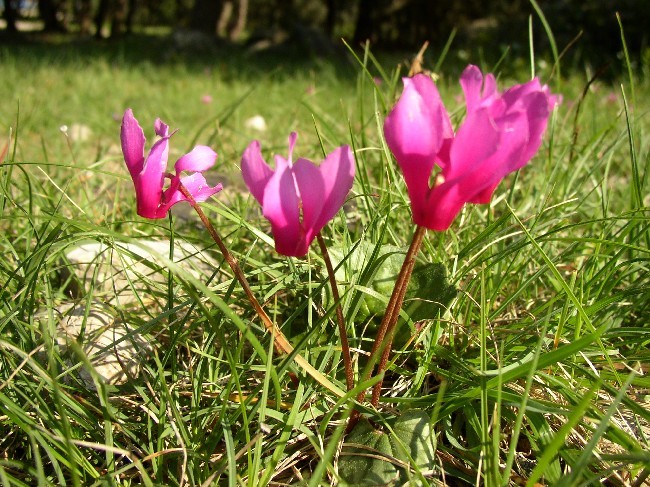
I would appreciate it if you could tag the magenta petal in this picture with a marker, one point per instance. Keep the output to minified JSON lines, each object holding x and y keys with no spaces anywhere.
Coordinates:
{"x":416,"y":130}
{"x":416,"y":126}
{"x":337,"y":171}
{"x":255,"y":171}
{"x":489,"y":86}
{"x":198,"y":187}
{"x":198,"y":159}
{"x":480,"y":180}
{"x":161,"y":128}
{"x":538,"y":110}
{"x":444,"y":204}
{"x":500,"y":134}
{"x":280,"y":206}
{"x":476,"y":140}
{"x":311,"y":187}
{"x":472,"y":81}
{"x":133,"y":140}
{"x":195,"y":184}
{"x":484,"y":196}
{"x":149,"y":183}
{"x":515,"y":94}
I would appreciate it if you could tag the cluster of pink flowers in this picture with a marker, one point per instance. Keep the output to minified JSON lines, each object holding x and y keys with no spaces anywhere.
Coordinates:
{"x":500,"y":134}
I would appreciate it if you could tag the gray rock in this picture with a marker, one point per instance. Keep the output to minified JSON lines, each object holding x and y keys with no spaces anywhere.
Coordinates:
{"x":125,"y":273}
{"x":111,"y":348}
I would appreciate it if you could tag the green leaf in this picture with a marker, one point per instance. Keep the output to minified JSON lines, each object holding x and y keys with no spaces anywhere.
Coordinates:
{"x":371,"y":456}
{"x":378,"y":271}
{"x":428,"y":292}
{"x":413,"y":442}
{"x":365,"y":458}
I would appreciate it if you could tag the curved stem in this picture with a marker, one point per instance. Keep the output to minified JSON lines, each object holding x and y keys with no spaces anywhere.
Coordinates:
{"x":345,"y":346}
{"x":279,"y":339}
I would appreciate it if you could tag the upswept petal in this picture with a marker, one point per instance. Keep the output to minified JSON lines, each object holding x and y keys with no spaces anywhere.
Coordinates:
{"x":280,"y":206}
{"x":478,"y":90}
{"x":481,"y":175}
{"x":199,"y":159}
{"x":337,"y":171}
{"x":476,"y":140}
{"x":161,"y":128}
{"x":472,"y":81}
{"x":195,"y":184}
{"x":485,"y":196}
{"x":486,"y":174}
{"x":312,"y":193}
{"x":255,"y":171}
{"x":515,"y":94}
{"x":416,"y":126}
{"x":416,"y":130}
{"x":199,"y":187}
{"x":133,"y":140}
{"x":489,"y":86}
{"x":538,"y":110}
{"x":149,"y":182}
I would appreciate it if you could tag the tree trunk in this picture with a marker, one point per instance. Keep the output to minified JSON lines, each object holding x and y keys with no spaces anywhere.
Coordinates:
{"x":330,"y":20}
{"x":363,"y":29}
{"x":118,"y":26}
{"x":205,"y":16}
{"x":10,"y":14}
{"x":100,"y":18}
{"x":83,"y":12}
{"x":224,"y":18}
{"x":240,"y":24}
{"x":49,"y":10}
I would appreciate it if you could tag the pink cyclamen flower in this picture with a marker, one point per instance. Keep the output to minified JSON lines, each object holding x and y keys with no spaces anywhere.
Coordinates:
{"x":149,"y":173}
{"x":298,"y":198}
{"x":500,"y":134}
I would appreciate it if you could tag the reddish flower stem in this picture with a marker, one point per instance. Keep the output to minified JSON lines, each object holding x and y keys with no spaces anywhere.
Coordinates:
{"x":345,"y":346}
{"x":408,"y":266}
{"x":383,"y":341}
{"x":279,"y":339}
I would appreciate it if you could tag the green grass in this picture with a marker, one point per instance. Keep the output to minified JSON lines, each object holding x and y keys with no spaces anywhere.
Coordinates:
{"x":537,"y":371}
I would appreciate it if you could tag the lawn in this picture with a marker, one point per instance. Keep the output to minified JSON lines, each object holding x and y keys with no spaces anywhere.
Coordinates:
{"x":521,"y":354}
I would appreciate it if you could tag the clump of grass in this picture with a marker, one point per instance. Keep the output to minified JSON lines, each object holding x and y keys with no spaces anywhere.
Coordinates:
{"x":535,"y":371}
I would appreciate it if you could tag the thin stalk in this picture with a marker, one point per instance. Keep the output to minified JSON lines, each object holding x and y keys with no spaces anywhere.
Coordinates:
{"x":384,"y":340}
{"x":232,"y":262}
{"x":280,"y":341}
{"x":345,"y":346}
{"x":407,"y":267}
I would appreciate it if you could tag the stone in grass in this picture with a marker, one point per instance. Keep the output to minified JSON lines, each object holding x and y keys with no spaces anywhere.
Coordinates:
{"x":372,"y":456}
{"x":124,"y":272}
{"x":113,"y":350}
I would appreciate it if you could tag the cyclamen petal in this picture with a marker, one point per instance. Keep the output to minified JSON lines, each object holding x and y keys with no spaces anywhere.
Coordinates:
{"x":149,"y":173}
{"x":501,"y":133}
{"x":281,"y":206}
{"x":299,"y":198}
{"x":416,"y":131}
{"x":132,"y":139}
{"x":199,"y":159}
{"x":255,"y":171}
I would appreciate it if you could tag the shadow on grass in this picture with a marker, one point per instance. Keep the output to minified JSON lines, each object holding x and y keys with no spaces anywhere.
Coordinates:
{"x":193,"y":50}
